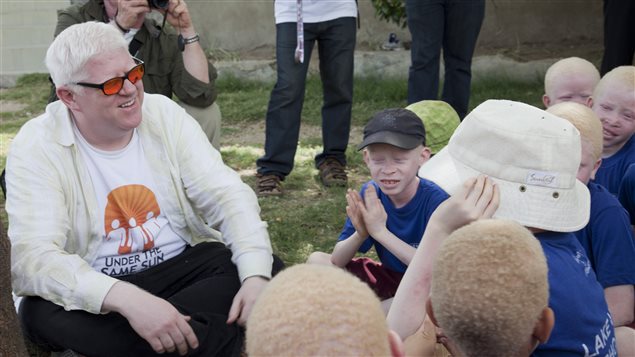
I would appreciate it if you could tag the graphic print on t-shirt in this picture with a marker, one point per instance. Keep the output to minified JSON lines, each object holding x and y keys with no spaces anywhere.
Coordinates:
{"x":131,"y":218}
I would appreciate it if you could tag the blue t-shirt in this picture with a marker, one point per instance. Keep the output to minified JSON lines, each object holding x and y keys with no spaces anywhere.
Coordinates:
{"x":613,"y":168}
{"x":608,"y":239}
{"x":408,"y":222}
{"x":626,"y":193}
{"x":583,"y":324}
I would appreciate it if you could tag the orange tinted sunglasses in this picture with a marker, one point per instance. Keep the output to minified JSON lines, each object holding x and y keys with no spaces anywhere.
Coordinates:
{"x":114,"y":85}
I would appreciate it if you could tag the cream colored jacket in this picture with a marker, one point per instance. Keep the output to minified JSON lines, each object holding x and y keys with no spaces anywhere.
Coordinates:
{"x":53,"y":224}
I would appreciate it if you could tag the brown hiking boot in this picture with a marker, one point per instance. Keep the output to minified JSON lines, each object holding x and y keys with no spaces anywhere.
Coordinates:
{"x":332,"y":173}
{"x":268,"y":185}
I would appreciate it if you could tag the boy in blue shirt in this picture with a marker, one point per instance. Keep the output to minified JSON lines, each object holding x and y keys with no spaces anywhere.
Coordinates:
{"x":392,"y":210}
{"x":607,"y":238}
{"x":613,"y":102}
{"x":533,"y":158}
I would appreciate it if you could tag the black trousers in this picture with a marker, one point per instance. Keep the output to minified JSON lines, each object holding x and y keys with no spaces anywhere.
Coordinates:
{"x":201,"y":282}
{"x":619,"y":34}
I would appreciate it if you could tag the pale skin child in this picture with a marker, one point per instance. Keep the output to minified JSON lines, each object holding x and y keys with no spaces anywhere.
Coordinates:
{"x":570,"y":80}
{"x":620,"y":298}
{"x":504,"y":314}
{"x":395,"y":171}
{"x":319,"y":310}
{"x":392,"y":211}
{"x":613,"y":101}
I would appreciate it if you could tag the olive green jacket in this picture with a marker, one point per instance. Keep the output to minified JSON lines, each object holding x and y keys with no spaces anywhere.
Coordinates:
{"x":164,"y":69}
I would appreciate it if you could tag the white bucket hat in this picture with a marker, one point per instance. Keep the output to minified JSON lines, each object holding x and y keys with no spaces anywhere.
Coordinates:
{"x":533,"y":156}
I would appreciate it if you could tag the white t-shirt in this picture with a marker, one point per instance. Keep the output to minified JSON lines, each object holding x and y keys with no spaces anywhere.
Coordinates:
{"x":136,"y":234}
{"x":314,"y":10}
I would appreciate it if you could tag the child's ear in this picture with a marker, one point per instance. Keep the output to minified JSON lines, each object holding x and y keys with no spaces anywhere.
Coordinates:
{"x":425,"y":155}
{"x":589,"y":102}
{"x":546,"y":100}
{"x":365,"y":155}
{"x":544,"y":325}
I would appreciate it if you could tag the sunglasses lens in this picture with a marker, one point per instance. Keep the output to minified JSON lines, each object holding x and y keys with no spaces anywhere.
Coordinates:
{"x":136,"y":73}
{"x":113,"y":86}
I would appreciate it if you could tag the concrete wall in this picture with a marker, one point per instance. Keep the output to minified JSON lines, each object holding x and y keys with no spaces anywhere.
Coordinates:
{"x":241,"y":25}
{"x":26,"y":32}
{"x":245,"y":27}
{"x":510,"y":23}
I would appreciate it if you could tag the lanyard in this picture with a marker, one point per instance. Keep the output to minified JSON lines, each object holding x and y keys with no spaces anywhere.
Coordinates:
{"x":299,"y":49}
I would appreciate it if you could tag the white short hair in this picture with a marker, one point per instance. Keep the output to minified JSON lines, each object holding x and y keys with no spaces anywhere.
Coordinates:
{"x":569,"y":68}
{"x":73,"y":47}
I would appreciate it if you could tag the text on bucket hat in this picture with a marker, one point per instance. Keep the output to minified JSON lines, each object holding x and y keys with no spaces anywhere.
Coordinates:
{"x":397,"y":127}
{"x":439,"y":119}
{"x":533,"y":156}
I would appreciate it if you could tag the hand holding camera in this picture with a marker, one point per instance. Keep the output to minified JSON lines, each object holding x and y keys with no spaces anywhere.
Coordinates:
{"x":159,"y":4}
{"x":131,"y":13}
{"x":178,"y":16}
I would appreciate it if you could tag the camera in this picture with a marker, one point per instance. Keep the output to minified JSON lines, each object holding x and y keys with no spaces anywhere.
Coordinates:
{"x":158,"y":4}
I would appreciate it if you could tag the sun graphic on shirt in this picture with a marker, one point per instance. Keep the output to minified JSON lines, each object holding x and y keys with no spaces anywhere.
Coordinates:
{"x":131,"y":217}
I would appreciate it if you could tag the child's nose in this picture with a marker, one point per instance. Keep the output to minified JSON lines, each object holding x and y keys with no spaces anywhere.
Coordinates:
{"x":610,"y":119}
{"x":389,"y":168}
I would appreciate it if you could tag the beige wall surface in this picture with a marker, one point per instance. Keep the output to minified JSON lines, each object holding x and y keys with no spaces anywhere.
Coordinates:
{"x":243,"y":25}
{"x":26,"y":31}
{"x":247,"y":26}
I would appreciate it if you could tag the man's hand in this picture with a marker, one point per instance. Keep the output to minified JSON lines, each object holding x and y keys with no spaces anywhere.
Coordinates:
{"x":245,"y":299}
{"x":477,"y":199}
{"x":152,"y":318}
{"x":131,"y":13}
{"x":178,"y":16}
{"x":354,"y":211}
{"x":373,"y":212}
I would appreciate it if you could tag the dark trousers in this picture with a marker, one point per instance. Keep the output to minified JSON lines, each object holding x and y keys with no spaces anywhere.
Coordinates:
{"x":336,"y":47}
{"x":619,"y":34}
{"x":201,"y":282}
{"x":451,"y":25}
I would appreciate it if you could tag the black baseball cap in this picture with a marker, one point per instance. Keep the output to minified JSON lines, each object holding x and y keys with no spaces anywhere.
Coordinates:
{"x":398,"y":127}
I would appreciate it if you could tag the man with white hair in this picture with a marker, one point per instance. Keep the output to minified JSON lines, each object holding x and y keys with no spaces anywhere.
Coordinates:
{"x":122,"y":216}
{"x":174,"y":57}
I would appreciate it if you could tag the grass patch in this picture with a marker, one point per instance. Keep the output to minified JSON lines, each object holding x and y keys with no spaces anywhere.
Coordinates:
{"x":309,"y":217}
{"x":526,"y":92}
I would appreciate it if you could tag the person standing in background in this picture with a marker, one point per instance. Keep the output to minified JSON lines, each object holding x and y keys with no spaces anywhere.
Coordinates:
{"x":619,"y":34}
{"x":449,"y":25}
{"x":299,"y":25}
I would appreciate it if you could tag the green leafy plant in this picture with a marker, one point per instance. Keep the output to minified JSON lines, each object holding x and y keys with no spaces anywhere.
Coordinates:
{"x":393,"y":11}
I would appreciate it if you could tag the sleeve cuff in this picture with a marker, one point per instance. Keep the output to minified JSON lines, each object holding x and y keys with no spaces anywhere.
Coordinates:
{"x":254,"y":264}
{"x":92,"y":290}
